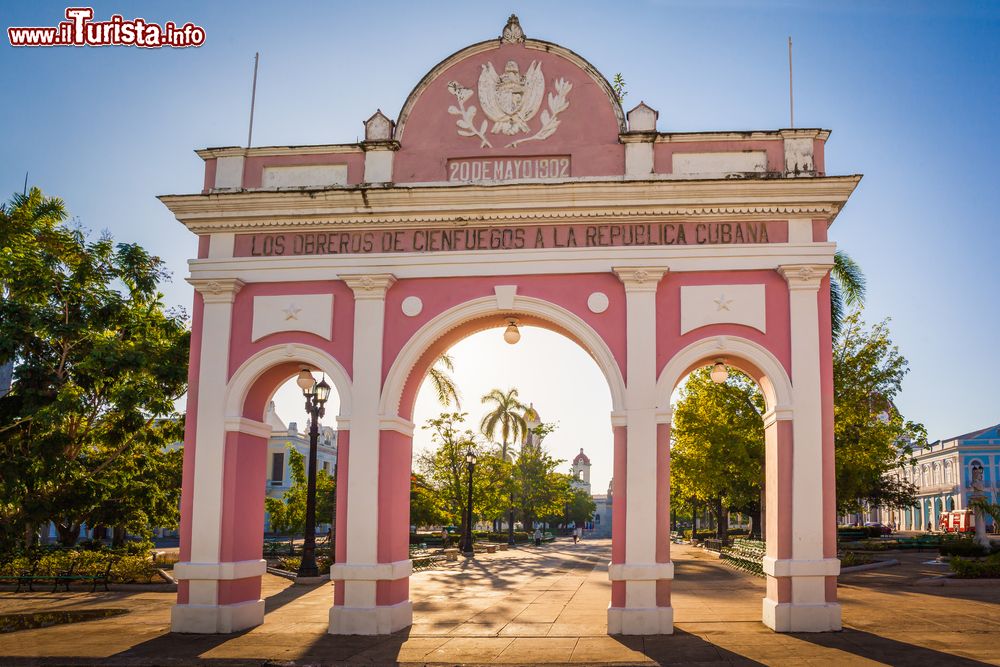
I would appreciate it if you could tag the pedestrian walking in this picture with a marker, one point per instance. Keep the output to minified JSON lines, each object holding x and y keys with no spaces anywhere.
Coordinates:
{"x":538,"y":537}
{"x":577,"y":534}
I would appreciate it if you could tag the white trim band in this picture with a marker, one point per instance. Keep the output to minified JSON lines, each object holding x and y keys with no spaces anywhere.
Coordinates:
{"x":248,"y":427}
{"x":241,"y":569}
{"x":401,"y":569}
{"x":640,"y":571}
{"x":397,"y":424}
{"x":786,"y":567}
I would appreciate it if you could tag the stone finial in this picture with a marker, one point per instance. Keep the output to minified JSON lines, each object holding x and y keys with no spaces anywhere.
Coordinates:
{"x":378,"y":127}
{"x":512,"y":33}
{"x":642,"y":118}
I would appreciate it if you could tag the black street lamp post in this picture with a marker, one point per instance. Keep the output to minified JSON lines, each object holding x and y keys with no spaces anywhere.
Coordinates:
{"x":316,"y":394}
{"x":467,"y":550}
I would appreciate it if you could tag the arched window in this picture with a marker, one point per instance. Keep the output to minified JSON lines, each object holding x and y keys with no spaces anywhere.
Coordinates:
{"x":951,"y":503}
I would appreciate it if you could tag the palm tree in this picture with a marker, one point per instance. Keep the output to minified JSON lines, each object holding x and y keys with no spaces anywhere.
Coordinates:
{"x":847,"y":288}
{"x":443,"y":383}
{"x":507,"y":415}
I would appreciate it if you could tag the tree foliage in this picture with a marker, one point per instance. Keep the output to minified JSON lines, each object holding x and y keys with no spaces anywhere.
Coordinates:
{"x":538,"y":492}
{"x":443,"y":384}
{"x":287,"y":514}
{"x":580,"y":508}
{"x":872,"y":437}
{"x":98,"y":364}
{"x":717,"y":451}
{"x":444,"y":469}
{"x":507,"y":416}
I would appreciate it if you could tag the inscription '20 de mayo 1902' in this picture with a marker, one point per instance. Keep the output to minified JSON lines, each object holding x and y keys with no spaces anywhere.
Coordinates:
{"x":278,"y":244}
{"x":508,"y":168}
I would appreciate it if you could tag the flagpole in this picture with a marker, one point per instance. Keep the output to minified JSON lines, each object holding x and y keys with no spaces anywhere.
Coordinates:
{"x":791,"y":98}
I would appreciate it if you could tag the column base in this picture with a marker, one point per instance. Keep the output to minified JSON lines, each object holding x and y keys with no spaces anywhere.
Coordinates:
{"x":652,"y":621}
{"x":371,"y":620}
{"x":801,"y":617}
{"x":211,"y":619}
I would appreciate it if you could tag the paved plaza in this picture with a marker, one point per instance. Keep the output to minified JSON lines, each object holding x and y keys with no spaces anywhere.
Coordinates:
{"x":540,"y":606}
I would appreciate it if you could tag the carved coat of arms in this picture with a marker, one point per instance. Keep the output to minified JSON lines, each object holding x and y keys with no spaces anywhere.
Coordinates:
{"x":510,"y":100}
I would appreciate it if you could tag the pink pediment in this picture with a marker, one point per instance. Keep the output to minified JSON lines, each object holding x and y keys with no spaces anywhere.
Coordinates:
{"x":551,"y":102}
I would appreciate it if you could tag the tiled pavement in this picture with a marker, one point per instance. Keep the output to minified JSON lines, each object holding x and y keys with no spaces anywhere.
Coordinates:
{"x":538,"y":606}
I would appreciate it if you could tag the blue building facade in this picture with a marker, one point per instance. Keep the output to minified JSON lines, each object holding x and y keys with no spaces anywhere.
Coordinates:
{"x":942,"y":473}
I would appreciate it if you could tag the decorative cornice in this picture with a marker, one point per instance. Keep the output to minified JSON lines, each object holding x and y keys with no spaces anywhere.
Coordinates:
{"x":640,"y":278}
{"x":217,"y":290}
{"x":754,"y":135}
{"x":370,"y":286}
{"x":804,"y":276}
{"x":266,"y":151}
{"x":465,"y":205}
{"x":382,"y":145}
{"x":638,"y":137}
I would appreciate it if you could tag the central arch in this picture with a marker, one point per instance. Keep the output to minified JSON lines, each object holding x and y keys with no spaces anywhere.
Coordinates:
{"x":402,"y":380}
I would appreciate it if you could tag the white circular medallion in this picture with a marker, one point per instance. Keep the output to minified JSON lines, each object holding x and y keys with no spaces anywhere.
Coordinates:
{"x":597,"y":302}
{"x":412,"y":305}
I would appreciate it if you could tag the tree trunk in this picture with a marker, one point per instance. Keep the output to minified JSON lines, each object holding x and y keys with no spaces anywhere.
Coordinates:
{"x":756,"y":515}
{"x":721,"y":520}
{"x":118,"y":536}
{"x":29,"y":535}
{"x":69,"y":533}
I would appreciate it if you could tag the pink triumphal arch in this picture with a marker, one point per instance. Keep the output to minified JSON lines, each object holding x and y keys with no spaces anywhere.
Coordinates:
{"x":512,"y":185}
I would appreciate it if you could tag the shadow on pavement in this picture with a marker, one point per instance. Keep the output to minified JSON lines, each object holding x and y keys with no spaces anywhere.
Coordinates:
{"x":682,"y":648}
{"x":866,"y":645}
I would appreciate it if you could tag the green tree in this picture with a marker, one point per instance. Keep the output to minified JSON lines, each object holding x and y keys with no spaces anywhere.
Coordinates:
{"x":537,"y":491}
{"x":425,"y":508}
{"x":98,"y":365}
{"x":445,"y":470}
{"x":872,"y":437}
{"x":847,"y":289}
{"x":580,"y":508}
{"x":287,"y":514}
{"x":718,"y":445}
{"x":442,"y":382}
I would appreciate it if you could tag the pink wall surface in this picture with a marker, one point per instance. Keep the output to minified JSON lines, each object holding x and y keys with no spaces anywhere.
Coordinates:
{"x":668,"y":314}
{"x":242,"y":497}
{"x":395,"y":458}
{"x":190,"y":428}
{"x":619,"y":508}
{"x":341,"y":347}
{"x":210,"y":165}
{"x":588,"y":129}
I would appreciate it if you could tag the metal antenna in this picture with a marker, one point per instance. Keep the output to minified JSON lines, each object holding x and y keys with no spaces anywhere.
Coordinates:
{"x":25,"y":192}
{"x":791,"y":98}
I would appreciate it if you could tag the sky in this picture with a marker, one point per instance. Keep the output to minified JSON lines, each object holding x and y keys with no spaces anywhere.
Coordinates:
{"x":910,"y":91}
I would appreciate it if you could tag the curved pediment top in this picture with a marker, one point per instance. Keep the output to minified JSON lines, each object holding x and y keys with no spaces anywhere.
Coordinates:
{"x":497,"y":96}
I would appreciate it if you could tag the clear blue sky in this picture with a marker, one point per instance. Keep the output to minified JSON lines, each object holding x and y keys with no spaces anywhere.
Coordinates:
{"x":909,"y":89}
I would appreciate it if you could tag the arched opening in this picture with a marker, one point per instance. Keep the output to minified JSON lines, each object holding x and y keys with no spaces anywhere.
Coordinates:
{"x":242,"y":473}
{"x":466,"y":327}
{"x":800,"y":539}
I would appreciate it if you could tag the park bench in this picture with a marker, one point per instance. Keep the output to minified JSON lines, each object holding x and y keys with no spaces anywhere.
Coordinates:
{"x":59,"y":578}
{"x":21,"y":577}
{"x":746,"y":555}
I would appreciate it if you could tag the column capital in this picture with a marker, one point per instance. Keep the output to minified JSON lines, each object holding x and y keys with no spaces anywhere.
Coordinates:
{"x":778,"y":413}
{"x":369,"y":286}
{"x":640,"y":278}
{"x":217,"y":290}
{"x":804,"y":276}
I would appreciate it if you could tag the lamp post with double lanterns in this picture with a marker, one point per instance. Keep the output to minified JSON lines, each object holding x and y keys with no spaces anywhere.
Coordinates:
{"x":316,"y":394}
{"x":467,"y":550}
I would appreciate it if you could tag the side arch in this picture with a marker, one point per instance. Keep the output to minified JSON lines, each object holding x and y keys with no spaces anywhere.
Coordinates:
{"x":748,"y":356}
{"x":563,"y":321}
{"x":275,"y":357}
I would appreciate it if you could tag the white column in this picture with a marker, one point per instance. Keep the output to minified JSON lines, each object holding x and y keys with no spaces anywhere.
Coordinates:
{"x":640,"y":570}
{"x":809,"y":610}
{"x":358,"y":614}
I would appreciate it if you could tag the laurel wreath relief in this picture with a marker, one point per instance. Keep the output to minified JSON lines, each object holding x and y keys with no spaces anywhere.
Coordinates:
{"x":465,"y":126}
{"x":557,"y":103}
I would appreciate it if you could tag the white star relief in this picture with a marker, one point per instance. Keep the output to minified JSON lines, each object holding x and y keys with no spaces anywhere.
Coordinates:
{"x":292,"y":312}
{"x":722,"y":303}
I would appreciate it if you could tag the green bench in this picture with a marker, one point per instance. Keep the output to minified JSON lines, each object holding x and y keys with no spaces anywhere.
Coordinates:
{"x":59,"y":578}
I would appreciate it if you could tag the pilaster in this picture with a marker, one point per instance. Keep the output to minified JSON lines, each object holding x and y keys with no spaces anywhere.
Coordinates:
{"x":640,"y":571}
